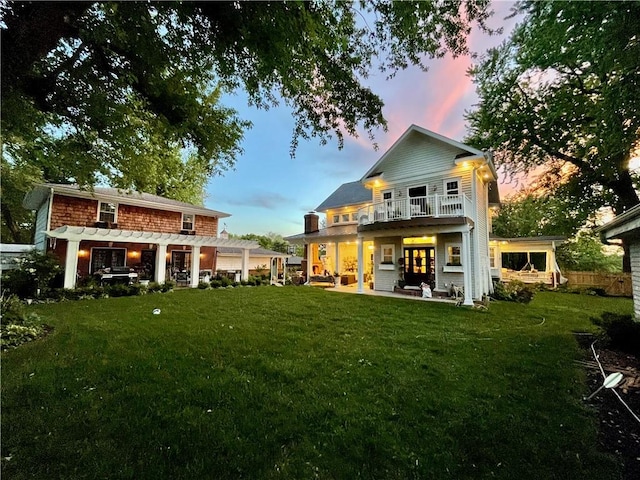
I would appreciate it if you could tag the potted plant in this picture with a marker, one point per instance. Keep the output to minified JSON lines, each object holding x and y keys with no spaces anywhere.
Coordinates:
{"x":336,"y":279}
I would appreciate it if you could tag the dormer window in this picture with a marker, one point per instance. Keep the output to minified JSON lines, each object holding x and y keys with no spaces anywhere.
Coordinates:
{"x":107,"y":212}
{"x":187,"y":221}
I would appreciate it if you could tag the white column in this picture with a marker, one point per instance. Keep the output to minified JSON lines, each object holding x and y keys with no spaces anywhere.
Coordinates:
{"x":161,"y":264}
{"x":466,"y":262}
{"x":336,"y":260}
{"x":245,"y":264}
{"x":71,"y":264}
{"x":195,"y":266}
{"x":309,"y":261}
{"x":360,"y":265}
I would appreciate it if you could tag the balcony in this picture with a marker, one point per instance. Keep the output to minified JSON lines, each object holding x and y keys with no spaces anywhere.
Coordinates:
{"x":431,"y":206}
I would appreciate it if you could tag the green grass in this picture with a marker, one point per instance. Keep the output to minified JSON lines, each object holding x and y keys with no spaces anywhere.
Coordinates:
{"x":302,"y":383}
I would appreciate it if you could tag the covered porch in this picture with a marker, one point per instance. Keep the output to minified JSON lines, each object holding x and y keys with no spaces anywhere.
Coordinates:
{"x":167,"y":254}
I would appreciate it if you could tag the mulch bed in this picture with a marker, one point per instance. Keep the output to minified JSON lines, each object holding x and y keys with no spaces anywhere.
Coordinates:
{"x":619,"y":432}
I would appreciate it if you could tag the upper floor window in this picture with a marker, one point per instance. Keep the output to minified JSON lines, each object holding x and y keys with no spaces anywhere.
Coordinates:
{"x":187,"y":221}
{"x":452,"y":186}
{"x":107,"y":212}
{"x":354,"y":217}
{"x":336,"y":219}
{"x":345,"y":217}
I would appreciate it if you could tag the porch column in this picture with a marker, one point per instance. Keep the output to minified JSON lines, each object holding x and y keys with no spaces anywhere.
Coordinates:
{"x":360,"y":265}
{"x":195,"y":266}
{"x":336,"y":261}
{"x":309,"y":261}
{"x":466,"y":262}
{"x":71,"y":264}
{"x":161,"y":264}
{"x":245,"y":264}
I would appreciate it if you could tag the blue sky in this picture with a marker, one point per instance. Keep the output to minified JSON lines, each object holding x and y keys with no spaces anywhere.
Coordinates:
{"x":270,"y":192}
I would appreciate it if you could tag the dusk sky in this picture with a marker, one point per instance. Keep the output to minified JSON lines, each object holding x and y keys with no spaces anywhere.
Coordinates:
{"x":270,"y":192}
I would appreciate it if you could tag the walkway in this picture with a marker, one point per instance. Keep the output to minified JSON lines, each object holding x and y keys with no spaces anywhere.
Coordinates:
{"x":353,"y":288}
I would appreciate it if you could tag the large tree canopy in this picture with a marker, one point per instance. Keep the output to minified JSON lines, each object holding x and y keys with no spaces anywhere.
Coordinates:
{"x":562,"y":95}
{"x":126,"y":92}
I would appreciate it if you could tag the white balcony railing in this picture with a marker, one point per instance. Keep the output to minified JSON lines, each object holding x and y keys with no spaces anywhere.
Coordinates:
{"x":416,"y":207}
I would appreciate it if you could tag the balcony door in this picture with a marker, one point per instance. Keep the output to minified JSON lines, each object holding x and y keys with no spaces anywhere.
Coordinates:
{"x":419,"y":265}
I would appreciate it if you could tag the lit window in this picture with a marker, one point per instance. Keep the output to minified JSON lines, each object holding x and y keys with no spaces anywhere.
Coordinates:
{"x":387,"y":253}
{"x":187,"y":221}
{"x":107,"y":212}
{"x":454,"y":257}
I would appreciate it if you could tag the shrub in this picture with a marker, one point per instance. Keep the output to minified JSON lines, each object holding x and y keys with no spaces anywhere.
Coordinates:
{"x":16,"y":326}
{"x":620,"y":331}
{"x":203,"y":285}
{"x":167,"y":286}
{"x":34,"y":277}
{"x":513,"y":291}
{"x":216,"y":283}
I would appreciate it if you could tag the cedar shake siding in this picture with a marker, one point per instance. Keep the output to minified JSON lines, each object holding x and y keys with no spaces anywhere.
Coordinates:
{"x":84,"y":212}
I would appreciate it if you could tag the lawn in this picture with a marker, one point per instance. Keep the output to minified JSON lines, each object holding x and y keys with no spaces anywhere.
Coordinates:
{"x":302,"y":383}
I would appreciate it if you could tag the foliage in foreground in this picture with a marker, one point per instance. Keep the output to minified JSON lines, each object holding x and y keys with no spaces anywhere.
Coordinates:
{"x":297,"y":382}
{"x":620,"y":331}
{"x":16,"y":325}
{"x":513,"y":291}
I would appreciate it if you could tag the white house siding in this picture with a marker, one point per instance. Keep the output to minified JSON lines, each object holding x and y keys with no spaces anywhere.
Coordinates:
{"x":480,"y":235}
{"x":445,"y":279}
{"x":385,"y":280}
{"x":417,"y":158}
{"x":635,"y":275}
{"x":42,"y":216}
{"x":225,"y":263}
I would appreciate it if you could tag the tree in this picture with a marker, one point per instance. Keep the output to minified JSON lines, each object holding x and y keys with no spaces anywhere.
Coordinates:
{"x":270,"y":241}
{"x":530,"y":215}
{"x":585,"y":253}
{"x":563,"y":95}
{"x":124,"y":92}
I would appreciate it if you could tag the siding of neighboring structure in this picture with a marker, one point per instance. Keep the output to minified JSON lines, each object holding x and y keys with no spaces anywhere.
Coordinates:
{"x":84,"y":212}
{"x":42,"y":215}
{"x":234,"y":262}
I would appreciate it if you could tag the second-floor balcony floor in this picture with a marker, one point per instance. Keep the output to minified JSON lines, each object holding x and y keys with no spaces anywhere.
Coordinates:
{"x":427,"y":207}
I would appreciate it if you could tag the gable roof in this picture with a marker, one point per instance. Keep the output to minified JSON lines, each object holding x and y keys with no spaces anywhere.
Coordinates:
{"x":41,"y":192}
{"x":351,"y":193}
{"x":470,"y":151}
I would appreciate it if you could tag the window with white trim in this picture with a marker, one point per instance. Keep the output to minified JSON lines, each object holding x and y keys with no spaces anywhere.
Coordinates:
{"x":107,"y":212}
{"x":187,"y":221}
{"x":336,"y":219}
{"x":492,"y":257}
{"x":345,"y":217}
{"x":387,"y":254}
{"x":452,"y":186}
{"x":354,"y":217}
{"x":454,"y":254}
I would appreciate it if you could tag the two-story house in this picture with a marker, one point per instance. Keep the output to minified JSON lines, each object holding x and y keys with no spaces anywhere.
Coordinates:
{"x":419,"y":214}
{"x":111,"y":232}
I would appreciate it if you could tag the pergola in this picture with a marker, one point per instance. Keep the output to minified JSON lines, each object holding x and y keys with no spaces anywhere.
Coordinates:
{"x":74,"y":235}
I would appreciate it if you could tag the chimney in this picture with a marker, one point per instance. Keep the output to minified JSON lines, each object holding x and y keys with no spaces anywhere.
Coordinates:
{"x":310,"y":222}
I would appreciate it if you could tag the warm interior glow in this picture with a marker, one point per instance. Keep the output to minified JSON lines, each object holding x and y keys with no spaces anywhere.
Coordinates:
{"x":419,"y":240}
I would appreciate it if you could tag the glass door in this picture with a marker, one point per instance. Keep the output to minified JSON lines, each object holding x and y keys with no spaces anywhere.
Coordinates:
{"x":419,"y":265}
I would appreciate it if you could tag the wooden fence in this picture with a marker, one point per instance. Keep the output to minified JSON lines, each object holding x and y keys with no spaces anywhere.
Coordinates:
{"x":617,"y":284}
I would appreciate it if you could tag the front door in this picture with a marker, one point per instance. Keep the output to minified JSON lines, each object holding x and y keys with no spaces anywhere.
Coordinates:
{"x":419,"y":266}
